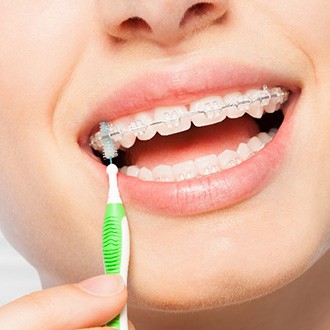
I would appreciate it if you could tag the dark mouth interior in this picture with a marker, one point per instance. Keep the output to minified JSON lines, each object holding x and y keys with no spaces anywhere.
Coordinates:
{"x":265,"y":124}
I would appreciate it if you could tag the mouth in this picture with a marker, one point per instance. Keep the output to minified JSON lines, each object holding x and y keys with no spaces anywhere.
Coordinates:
{"x":198,"y":145}
{"x":168,"y":144}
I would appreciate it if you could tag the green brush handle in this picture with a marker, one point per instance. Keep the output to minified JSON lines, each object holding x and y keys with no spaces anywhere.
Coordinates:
{"x":113,"y":247}
{"x":112,"y":237}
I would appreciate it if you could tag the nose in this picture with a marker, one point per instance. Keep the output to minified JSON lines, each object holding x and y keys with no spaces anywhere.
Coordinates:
{"x":162,"y":21}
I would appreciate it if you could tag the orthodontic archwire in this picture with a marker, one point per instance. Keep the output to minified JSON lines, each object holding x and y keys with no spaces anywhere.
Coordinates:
{"x":113,"y":134}
{"x":115,"y":233}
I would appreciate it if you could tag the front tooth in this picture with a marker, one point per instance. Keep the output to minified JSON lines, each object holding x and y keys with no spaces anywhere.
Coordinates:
{"x":255,"y":109}
{"x":255,"y":144}
{"x":149,"y":131}
{"x":132,"y":171}
{"x":208,"y":111}
{"x":163,"y":173}
{"x":145,"y":174}
{"x":207,"y":164}
{"x":236,"y":109}
{"x":244,"y":151}
{"x":228,"y":159}
{"x":184,"y":171}
{"x":173,"y":119}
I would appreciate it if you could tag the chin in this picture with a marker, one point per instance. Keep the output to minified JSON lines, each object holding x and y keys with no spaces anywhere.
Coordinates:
{"x":235,"y":265}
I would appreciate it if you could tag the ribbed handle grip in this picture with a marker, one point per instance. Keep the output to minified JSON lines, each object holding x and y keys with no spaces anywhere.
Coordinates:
{"x":112,"y":245}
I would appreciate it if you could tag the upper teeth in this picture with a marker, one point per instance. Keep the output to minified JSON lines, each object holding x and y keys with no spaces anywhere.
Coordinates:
{"x":207,"y":111}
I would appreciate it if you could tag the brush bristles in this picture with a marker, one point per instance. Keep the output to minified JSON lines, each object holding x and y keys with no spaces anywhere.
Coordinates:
{"x":109,"y":148}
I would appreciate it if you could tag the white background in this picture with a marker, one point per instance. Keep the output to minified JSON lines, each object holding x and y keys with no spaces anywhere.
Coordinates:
{"x":17,"y":277}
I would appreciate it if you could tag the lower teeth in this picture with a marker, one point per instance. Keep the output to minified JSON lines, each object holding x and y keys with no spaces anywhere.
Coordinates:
{"x":202,"y":166}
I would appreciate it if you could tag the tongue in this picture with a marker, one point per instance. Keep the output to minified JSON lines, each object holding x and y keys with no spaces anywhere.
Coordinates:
{"x":194,"y":143}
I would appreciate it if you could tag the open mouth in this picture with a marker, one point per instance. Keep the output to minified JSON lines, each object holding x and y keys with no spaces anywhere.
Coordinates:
{"x":188,"y":141}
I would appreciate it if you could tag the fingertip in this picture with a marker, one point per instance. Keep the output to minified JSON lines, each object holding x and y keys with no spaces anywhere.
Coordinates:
{"x":103,"y":285}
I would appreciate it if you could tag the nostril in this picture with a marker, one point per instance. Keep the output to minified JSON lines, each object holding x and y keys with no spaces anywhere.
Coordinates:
{"x":135,"y":24}
{"x":197,"y":10}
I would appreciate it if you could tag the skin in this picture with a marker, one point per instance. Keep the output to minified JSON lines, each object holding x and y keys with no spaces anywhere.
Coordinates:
{"x":60,"y":58}
{"x":95,"y":300}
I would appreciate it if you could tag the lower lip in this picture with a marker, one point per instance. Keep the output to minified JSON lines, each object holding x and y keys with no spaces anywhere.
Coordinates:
{"x":213,"y":192}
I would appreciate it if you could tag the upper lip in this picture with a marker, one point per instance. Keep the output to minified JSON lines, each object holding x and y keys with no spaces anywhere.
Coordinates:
{"x":181,"y":84}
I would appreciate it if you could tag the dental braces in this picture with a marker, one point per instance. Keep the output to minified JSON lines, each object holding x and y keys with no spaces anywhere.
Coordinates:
{"x":172,"y":119}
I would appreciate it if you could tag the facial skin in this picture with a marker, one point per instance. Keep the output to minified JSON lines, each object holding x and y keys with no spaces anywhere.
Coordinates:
{"x":59,"y":59}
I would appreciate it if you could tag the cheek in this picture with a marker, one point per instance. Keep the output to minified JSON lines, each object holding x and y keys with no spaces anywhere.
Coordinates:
{"x":38,"y":47}
{"x":308,"y":27}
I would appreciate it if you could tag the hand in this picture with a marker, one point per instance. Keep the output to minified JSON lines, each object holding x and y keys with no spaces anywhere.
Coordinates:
{"x":88,"y":304}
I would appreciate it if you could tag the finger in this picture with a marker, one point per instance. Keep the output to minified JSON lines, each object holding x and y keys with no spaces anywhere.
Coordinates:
{"x":90,"y":303}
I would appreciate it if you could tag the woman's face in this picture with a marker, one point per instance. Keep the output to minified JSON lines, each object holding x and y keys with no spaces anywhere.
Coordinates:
{"x":211,"y":240}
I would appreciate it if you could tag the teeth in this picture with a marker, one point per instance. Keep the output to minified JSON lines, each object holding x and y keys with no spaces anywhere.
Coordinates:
{"x":255,"y":110}
{"x":96,"y":141}
{"x":271,"y":107}
{"x":138,"y":127}
{"x":228,"y":159}
{"x":265,"y":97}
{"x":172,"y":120}
{"x":244,"y":151}
{"x":204,"y":165}
{"x":235,"y":110}
{"x":184,"y":171}
{"x":279,"y":96}
{"x":213,"y":108}
{"x":150,"y":131}
{"x":124,"y":170}
{"x":163,"y":173}
{"x":272,"y":132}
{"x":207,"y":164}
{"x":127,"y":139}
{"x":207,"y":111}
{"x":255,"y":144}
{"x":264,"y":138}
{"x":275,"y":102}
{"x":132,"y":171}
{"x":145,"y":174}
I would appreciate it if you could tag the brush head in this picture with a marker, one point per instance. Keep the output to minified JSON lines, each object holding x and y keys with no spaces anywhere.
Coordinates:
{"x":113,"y":195}
{"x":109,"y":147}
{"x":112,"y":170}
